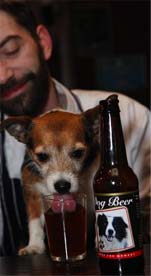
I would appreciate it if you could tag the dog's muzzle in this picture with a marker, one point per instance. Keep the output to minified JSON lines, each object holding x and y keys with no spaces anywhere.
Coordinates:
{"x":62,"y":186}
{"x":110,"y":235}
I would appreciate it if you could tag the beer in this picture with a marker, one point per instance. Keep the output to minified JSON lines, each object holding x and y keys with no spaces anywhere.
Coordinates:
{"x":66,"y":233}
{"x":118,"y":222}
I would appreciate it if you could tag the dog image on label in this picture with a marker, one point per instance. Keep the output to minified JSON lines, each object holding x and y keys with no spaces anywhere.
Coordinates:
{"x":114,"y":230}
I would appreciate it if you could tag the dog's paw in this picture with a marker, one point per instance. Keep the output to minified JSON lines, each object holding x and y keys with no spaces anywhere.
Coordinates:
{"x":31,"y":249}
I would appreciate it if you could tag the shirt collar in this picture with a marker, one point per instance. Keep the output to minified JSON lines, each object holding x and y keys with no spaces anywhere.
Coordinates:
{"x":66,"y":99}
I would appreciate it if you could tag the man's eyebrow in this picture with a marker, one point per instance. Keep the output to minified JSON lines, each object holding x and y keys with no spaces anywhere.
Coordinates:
{"x":8,"y":38}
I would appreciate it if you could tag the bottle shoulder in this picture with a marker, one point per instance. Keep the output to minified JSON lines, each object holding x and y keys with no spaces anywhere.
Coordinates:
{"x":115,"y":179}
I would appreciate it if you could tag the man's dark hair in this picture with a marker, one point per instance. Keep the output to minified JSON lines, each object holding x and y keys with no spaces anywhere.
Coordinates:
{"x":23,"y":13}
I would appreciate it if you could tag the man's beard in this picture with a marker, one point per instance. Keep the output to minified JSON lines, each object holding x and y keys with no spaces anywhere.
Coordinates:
{"x":32,"y":101}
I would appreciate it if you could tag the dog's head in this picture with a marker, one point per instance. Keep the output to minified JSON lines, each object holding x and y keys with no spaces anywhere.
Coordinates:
{"x":112,"y":227}
{"x":60,"y":147}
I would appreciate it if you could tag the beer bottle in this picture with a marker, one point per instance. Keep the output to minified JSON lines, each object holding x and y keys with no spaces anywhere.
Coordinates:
{"x":118,"y":223}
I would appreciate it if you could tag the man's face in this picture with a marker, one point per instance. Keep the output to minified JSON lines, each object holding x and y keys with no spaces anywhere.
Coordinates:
{"x":24,"y":76}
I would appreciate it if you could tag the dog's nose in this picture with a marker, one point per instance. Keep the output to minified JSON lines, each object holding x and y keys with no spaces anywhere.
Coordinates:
{"x":110,"y":232}
{"x":62,"y":186}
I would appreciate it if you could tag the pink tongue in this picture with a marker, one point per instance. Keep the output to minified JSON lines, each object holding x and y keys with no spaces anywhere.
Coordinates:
{"x":67,"y":201}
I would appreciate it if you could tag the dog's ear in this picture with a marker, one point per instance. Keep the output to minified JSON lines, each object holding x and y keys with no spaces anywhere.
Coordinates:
{"x":91,"y":121}
{"x":92,"y":113}
{"x":18,"y":127}
{"x":122,"y":222}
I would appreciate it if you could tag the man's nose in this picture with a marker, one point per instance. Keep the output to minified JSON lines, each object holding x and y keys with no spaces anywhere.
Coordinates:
{"x":6,"y":72}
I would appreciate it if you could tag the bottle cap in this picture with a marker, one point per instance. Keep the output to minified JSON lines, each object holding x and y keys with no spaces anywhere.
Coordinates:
{"x":110,"y":104}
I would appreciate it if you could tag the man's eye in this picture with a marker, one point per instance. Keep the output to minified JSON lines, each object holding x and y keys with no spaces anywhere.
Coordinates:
{"x":77,"y":154}
{"x":11,"y":52}
{"x":42,"y":157}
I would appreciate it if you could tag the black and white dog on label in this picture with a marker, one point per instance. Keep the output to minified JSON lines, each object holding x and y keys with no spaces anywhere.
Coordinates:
{"x":113,"y":232}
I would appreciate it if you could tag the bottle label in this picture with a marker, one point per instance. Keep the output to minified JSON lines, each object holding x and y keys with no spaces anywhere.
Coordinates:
{"x":118,"y":225}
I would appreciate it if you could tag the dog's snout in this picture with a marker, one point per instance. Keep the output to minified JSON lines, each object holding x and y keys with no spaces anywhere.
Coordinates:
{"x":110,"y":232}
{"x":62,"y":186}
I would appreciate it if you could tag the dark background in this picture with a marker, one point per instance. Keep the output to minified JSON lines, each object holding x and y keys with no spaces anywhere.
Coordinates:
{"x":101,"y":45}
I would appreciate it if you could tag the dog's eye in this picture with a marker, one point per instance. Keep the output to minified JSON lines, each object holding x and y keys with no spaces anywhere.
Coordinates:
{"x":77,"y":154}
{"x":42,"y":156}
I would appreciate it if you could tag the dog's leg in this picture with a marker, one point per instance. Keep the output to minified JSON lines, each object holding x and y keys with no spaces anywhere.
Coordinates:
{"x":36,"y":243}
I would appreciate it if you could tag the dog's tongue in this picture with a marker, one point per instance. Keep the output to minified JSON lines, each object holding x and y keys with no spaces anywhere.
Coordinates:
{"x":65,"y":201}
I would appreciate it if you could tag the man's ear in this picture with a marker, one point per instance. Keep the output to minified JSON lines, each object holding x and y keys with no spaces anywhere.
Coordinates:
{"x":45,"y":41}
{"x":18,"y":127}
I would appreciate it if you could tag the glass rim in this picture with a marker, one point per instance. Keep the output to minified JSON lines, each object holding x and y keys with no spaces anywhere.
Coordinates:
{"x":75,"y":194}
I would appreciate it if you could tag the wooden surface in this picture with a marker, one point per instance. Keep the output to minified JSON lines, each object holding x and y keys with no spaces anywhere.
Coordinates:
{"x":42,"y":265}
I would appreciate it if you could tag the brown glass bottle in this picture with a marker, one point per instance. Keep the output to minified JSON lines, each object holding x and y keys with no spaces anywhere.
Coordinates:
{"x":118,"y":222}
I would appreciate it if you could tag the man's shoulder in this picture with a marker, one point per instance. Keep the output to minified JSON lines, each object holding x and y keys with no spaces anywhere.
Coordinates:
{"x":91,"y":98}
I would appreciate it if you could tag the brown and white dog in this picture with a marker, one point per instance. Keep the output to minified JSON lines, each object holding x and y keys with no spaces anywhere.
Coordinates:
{"x":62,"y":157}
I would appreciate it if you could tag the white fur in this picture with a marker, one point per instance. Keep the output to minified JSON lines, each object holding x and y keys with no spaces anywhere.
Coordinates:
{"x":56,"y":176}
{"x":36,"y":233}
{"x":110,"y":226}
{"x":42,"y":188}
{"x":47,"y":187}
{"x":115,"y":245}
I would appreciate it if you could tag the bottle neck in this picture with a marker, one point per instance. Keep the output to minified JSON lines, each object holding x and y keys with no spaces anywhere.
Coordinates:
{"x":112,"y":140}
